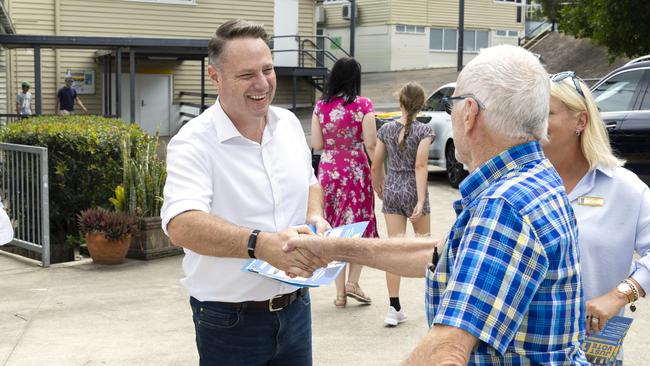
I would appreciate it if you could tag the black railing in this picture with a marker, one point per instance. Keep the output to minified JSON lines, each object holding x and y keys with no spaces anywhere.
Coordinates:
{"x":313,"y":51}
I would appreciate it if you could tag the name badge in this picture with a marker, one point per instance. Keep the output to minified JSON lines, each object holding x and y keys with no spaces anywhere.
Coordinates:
{"x":591,"y":201}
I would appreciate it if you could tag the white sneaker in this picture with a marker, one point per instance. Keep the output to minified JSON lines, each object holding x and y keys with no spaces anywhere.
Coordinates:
{"x":394,"y":317}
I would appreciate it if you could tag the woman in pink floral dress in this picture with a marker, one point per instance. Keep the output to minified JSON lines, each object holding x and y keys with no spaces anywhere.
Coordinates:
{"x":342,"y":125}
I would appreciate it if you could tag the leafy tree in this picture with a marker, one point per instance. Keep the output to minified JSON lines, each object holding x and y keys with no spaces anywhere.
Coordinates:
{"x":551,"y":9}
{"x":619,"y":25}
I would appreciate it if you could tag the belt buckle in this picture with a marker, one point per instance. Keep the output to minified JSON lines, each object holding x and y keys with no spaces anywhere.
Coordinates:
{"x":271,"y":308}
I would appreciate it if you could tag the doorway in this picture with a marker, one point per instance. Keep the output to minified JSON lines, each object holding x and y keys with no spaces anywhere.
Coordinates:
{"x":153,"y":100}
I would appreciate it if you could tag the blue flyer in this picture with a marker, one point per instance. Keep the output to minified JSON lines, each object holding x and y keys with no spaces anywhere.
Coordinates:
{"x":322,"y":276}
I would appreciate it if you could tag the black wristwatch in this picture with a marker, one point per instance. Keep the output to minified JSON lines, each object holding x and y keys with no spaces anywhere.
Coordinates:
{"x":252,"y":241}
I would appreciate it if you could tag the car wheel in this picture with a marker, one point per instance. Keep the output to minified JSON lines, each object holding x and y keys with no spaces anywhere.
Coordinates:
{"x":455,"y":170}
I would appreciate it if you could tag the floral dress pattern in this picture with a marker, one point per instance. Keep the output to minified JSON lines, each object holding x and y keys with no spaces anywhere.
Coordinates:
{"x":344,"y":171}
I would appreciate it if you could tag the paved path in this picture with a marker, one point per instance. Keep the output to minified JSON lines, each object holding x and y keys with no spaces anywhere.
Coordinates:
{"x":137,"y":313}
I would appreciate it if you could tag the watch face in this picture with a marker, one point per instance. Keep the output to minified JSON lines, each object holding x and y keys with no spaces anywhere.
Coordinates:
{"x":624,"y":287}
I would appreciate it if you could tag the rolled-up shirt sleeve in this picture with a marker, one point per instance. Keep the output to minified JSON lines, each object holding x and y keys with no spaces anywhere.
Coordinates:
{"x":189,"y":181}
{"x":641,"y":267}
{"x":498,"y":268}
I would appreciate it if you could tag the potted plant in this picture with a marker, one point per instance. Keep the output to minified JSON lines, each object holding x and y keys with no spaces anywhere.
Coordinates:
{"x":140,"y":194}
{"x":108,"y":234}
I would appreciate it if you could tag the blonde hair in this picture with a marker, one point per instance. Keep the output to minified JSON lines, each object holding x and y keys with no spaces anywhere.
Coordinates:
{"x":594,"y":141}
{"x":411,"y":97}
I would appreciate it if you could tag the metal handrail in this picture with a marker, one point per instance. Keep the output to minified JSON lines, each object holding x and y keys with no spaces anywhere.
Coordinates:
{"x":299,"y":39}
{"x":302,"y":40}
{"x":327,"y":53}
{"x":544,"y":23}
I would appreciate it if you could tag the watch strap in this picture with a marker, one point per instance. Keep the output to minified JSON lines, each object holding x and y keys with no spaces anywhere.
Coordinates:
{"x":252,"y":242}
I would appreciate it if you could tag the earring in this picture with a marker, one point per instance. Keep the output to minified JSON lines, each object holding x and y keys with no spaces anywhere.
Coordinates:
{"x":578,"y":132}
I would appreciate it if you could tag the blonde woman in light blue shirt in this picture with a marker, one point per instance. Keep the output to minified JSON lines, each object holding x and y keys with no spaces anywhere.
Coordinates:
{"x":611,"y":204}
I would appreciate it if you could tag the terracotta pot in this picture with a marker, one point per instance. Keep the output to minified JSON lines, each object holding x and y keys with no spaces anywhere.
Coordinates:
{"x":107,"y":251}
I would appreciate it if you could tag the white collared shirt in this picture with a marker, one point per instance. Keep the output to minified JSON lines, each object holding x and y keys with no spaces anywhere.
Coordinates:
{"x":612,"y":206}
{"x":211,"y":167}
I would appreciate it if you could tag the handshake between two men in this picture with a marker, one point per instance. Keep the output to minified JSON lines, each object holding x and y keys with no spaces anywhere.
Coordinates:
{"x":303,"y":252}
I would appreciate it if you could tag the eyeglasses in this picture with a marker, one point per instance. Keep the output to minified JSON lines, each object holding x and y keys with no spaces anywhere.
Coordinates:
{"x":568,"y":74}
{"x":448,"y":102}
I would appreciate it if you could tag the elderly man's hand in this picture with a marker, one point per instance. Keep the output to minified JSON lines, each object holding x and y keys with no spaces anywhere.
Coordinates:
{"x":296,"y":263}
{"x":311,"y":244}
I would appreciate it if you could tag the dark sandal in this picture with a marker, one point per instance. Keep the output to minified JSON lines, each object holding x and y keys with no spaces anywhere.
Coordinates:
{"x":354,"y":291}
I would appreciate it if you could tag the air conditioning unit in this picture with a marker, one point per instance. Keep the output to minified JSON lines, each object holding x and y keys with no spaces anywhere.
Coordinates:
{"x":346,"y":12}
{"x":320,"y":14}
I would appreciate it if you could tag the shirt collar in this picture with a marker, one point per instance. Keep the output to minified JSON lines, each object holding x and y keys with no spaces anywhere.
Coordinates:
{"x":587,"y":182}
{"x":226,"y":130}
{"x":498,"y":166}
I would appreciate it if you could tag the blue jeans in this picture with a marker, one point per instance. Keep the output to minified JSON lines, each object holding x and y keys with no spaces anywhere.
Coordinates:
{"x":252,"y":337}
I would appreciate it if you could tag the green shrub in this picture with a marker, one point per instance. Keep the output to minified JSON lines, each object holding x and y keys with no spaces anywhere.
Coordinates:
{"x":84,"y":160}
{"x":140,"y":193}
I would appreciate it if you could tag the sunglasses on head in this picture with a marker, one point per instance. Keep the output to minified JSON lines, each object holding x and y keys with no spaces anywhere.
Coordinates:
{"x":448,"y":102}
{"x":568,"y":74}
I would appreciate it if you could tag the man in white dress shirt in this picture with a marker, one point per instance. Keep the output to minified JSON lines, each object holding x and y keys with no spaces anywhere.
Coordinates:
{"x":239,"y":185}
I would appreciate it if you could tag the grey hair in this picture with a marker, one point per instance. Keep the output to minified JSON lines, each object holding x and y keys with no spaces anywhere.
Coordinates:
{"x":514,"y":87}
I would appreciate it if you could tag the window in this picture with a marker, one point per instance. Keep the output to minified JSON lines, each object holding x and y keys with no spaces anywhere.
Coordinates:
{"x":507,"y":33}
{"x":449,"y":40}
{"x":434,"y":103}
{"x":181,"y":2}
{"x":482,"y":40}
{"x":445,"y":39}
{"x":409,"y":28}
{"x":616,"y":93}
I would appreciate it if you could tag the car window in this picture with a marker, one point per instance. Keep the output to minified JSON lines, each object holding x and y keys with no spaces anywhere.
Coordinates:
{"x":645,"y":102}
{"x":616,"y":93}
{"x":434,"y":103}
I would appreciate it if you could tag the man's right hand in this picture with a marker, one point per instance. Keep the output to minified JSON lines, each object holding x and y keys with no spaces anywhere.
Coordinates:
{"x":300,"y":262}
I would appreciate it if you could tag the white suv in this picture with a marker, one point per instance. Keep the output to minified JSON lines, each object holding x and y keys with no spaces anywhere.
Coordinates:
{"x":441,"y":151}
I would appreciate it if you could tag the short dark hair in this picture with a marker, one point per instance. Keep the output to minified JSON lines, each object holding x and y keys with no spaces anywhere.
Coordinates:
{"x":232,"y":29}
{"x":345,"y":79}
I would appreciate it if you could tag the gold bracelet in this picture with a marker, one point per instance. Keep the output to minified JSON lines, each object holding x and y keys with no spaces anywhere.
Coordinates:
{"x":635,"y":291}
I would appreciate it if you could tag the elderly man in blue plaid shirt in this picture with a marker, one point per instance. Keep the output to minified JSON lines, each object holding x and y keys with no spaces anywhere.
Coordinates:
{"x":506,"y":289}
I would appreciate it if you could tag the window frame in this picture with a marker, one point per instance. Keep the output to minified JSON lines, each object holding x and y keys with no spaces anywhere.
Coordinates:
{"x":168,"y":2}
{"x":634,"y":101}
{"x":405,"y":30}
{"x":474,"y":49}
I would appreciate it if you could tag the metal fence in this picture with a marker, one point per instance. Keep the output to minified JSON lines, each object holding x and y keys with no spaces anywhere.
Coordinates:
{"x":25,"y":195}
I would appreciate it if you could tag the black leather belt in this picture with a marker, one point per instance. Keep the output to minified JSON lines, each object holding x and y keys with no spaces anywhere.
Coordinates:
{"x":277,"y":303}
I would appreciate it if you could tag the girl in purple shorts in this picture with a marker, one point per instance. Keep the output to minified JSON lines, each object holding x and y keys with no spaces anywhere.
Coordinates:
{"x":403,"y":188}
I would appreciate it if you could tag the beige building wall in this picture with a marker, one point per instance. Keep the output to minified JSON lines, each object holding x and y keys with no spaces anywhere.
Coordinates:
{"x":370,"y":12}
{"x":126,"y":18}
{"x":5,"y":89}
{"x":401,"y":50}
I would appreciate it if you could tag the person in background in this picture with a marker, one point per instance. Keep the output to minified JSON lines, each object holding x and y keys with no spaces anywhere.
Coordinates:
{"x":24,"y":101}
{"x":343,"y":124}
{"x":404,"y":189}
{"x":6,"y":230}
{"x":611,"y":204}
{"x":239,"y":185}
{"x":66,"y":97}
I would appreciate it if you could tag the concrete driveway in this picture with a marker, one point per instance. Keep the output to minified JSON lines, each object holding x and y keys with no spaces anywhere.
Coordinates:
{"x":138,"y":314}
